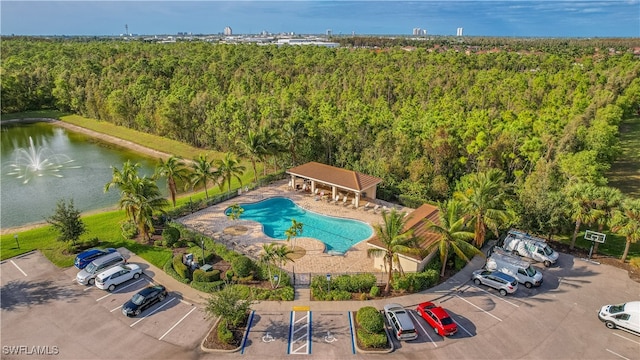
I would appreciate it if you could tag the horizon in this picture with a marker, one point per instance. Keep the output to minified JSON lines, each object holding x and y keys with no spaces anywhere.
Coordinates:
{"x":478,"y":18}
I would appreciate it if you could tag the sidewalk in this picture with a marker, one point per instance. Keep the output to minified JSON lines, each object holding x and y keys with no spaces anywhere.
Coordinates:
{"x":303,"y":295}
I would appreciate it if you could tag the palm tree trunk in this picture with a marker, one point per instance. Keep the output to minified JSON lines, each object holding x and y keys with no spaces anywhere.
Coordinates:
{"x":626,"y":249}
{"x":387,"y":289}
{"x":575,"y":234}
{"x":444,"y":264}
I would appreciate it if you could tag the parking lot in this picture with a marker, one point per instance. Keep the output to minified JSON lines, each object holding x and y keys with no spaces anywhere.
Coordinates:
{"x":43,"y":307}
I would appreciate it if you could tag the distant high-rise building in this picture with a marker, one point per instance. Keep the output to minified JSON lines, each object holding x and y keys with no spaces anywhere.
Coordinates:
{"x":329,"y":32}
{"x":416,"y":31}
{"x":459,"y":32}
{"x":228,"y":31}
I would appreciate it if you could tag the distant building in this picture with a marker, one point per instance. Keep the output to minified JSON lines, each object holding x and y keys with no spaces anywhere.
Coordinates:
{"x":459,"y":31}
{"x":329,"y":32}
{"x":228,"y":31}
{"x":419,"y":32}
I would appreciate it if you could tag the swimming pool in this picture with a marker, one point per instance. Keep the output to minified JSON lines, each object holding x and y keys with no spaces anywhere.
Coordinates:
{"x":275,"y":215}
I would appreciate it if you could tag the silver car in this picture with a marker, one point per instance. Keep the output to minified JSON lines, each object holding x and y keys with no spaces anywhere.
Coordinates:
{"x":504,"y":283}
{"x":400,"y":322}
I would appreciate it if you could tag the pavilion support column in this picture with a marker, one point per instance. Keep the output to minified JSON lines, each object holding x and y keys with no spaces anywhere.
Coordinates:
{"x":334,"y":192}
{"x":357,"y":200}
{"x":313,"y":186}
{"x":292,"y":182}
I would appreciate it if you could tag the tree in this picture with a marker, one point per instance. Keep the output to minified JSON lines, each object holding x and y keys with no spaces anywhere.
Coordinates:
{"x":253,"y":147}
{"x":483,"y":198}
{"x":229,"y":304}
{"x":295,"y":230}
{"x":173,"y":170}
{"x":452,"y":234}
{"x":66,"y":221}
{"x":607,"y":200}
{"x":236,"y":212}
{"x":129,"y":172}
{"x":140,"y":199}
{"x":626,"y":222}
{"x":581,"y":198}
{"x":275,"y":255}
{"x":202,"y":172}
{"x":395,"y":240}
{"x":229,"y":167}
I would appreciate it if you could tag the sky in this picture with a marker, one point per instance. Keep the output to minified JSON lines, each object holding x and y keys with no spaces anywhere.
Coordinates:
{"x":514,"y":18}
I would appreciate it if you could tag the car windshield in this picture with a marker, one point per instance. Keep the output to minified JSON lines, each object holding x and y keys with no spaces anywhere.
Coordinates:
{"x":530,"y":271}
{"x":616,"y":308}
{"x":137,"y":299}
{"x":91,"y":268}
{"x":547,"y":250}
{"x":446,"y":321}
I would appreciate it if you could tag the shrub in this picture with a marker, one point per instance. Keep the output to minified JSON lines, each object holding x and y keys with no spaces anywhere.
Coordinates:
{"x":168,"y":268}
{"x":369,"y":340}
{"x":170,"y":235}
{"x":179,"y":267}
{"x":208,"y":287}
{"x":370,"y":319}
{"x":242,"y":266}
{"x":635,"y":262}
{"x":224,"y":334}
{"x":414,"y":282}
{"x":128,"y":229}
{"x":375,"y":291}
{"x":158,"y":243}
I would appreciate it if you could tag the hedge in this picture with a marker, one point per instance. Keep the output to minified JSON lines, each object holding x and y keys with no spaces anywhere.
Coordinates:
{"x":179,"y":267}
{"x":170,"y":236}
{"x":242,"y":266}
{"x":370,"y":340}
{"x":168,"y":268}
{"x":415,"y":282}
{"x":208,"y":287}
{"x":224,"y":334}
{"x":370,"y":319}
{"x":208,"y":276}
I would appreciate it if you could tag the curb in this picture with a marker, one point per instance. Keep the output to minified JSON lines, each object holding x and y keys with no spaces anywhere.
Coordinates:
{"x":361,"y":351}
{"x":209,"y":350}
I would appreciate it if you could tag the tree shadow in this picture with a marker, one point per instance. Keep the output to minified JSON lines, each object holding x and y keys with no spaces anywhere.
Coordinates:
{"x":19,"y":293}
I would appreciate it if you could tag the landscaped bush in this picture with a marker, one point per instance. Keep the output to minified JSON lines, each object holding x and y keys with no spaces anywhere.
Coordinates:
{"x":224,"y":334}
{"x":375,"y":291}
{"x":369,"y":340}
{"x":206,"y":276}
{"x":415,"y":282}
{"x":335,"y":295}
{"x":168,"y":268}
{"x":242,"y":266}
{"x":179,"y":267}
{"x":286,"y":293}
{"x":354,"y":283}
{"x":170,"y":236}
{"x":128,"y":229}
{"x":370,"y":319}
{"x":208,"y":287}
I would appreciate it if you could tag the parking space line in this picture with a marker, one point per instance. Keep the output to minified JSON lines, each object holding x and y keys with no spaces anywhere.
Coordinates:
{"x":633,"y":341}
{"x":246,"y":334}
{"x":462,"y":327}
{"x":153,"y":312}
{"x":118,"y":290}
{"x":304,"y":339}
{"x":116,"y":308}
{"x":615,"y":353}
{"x":423,"y":329}
{"x":176,"y":324}
{"x":496,"y":296}
{"x":18,"y":267}
{"x":475,"y":306}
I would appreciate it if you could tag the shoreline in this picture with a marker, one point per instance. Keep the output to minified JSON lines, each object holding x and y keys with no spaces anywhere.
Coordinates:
{"x":94,"y":134}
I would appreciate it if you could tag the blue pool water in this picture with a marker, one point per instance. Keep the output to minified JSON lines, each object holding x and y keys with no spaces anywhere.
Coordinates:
{"x":275,"y":215}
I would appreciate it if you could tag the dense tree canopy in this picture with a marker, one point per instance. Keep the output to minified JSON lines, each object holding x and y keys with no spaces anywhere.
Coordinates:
{"x":419,"y":117}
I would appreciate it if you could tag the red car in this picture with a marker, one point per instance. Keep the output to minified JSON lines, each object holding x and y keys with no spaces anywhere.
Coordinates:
{"x":438,"y":318}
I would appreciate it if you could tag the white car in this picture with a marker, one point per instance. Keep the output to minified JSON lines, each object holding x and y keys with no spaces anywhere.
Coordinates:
{"x":112,"y":277}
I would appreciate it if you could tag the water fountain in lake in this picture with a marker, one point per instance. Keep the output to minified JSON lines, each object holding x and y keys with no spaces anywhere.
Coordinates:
{"x":38,"y":161}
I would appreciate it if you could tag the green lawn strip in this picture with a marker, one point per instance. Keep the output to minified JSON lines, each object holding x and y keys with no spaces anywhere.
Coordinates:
{"x":613,"y":246}
{"x":49,"y":114}
{"x":625,"y":172}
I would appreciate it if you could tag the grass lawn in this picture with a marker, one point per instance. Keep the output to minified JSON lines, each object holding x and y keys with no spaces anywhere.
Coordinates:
{"x":625,"y":172}
{"x":613,"y":246}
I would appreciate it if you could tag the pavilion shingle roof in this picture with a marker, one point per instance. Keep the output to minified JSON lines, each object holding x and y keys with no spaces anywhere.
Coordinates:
{"x":330,"y":175}
{"x":419,"y":221}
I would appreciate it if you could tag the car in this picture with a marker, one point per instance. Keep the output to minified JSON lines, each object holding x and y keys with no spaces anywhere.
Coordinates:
{"x":86,"y":257}
{"x":437,"y":318}
{"x":112,"y":277}
{"x":400,"y":322}
{"x":87,"y":276}
{"x":504,"y":283}
{"x":143,"y":299}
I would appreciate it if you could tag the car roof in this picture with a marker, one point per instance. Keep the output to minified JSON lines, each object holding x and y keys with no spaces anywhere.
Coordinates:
{"x":148,"y":290}
{"x":439,"y":312}
{"x":88,"y":253}
{"x":504,"y":276}
{"x":111,"y":270}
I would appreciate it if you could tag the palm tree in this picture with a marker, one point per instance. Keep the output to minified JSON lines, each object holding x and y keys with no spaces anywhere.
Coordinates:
{"x":140,"y":199}
{"x":229,"y":168}
{"x":607,"y":200}
{"x":120,"y":178}
{"x":202,"y":172}
{"x":581,"y":198}
{"x":626,"y":222}
{"x":452,"y":234}
{"x":395,"y":240}
{"x":483,"y":197}
{"x":254,"y":148}
{"x":270,"y":141}
{"x":295,"y":230}
{"x":173,"y":169}
{"x":294,"y":131}
{"x":275,"y":255}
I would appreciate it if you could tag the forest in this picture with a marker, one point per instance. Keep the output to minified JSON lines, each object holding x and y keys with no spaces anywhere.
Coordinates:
{"x":419,"y":115}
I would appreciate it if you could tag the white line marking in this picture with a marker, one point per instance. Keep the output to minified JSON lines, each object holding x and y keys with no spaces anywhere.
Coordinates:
{"x":462,"y":327}
{"x":484,"y":311}
{"x":633,"y":341}
{"x":176,"y":324}
{"x":153,"y":312}
{"x":116,"y":308}
{"x":423,"y":329}
{"x":118,"y":290}
{"x":496,"y":296}
{"x":614,"y":353}
{"x":89,"y":287}
{"x":18,"y":267}
{"x":186,"y":302}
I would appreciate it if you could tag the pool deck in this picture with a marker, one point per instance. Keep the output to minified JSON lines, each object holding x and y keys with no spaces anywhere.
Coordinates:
{"x":214,"y":223}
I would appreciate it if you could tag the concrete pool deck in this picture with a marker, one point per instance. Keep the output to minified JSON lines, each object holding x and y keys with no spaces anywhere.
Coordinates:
{"x":214,"y":223}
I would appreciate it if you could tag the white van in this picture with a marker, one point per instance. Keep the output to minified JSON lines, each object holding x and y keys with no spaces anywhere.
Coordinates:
{"x":526,"y":245}
{"x":516,"y":267}
{"x":624,"y":316}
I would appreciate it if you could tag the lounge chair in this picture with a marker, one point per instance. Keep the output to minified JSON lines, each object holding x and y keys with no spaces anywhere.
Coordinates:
{"x":366,"y":206}
{"x":336,"y":199}
{"x":375,"y":208}
{"x":314,"y":193}
{"x":344,"y":200}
